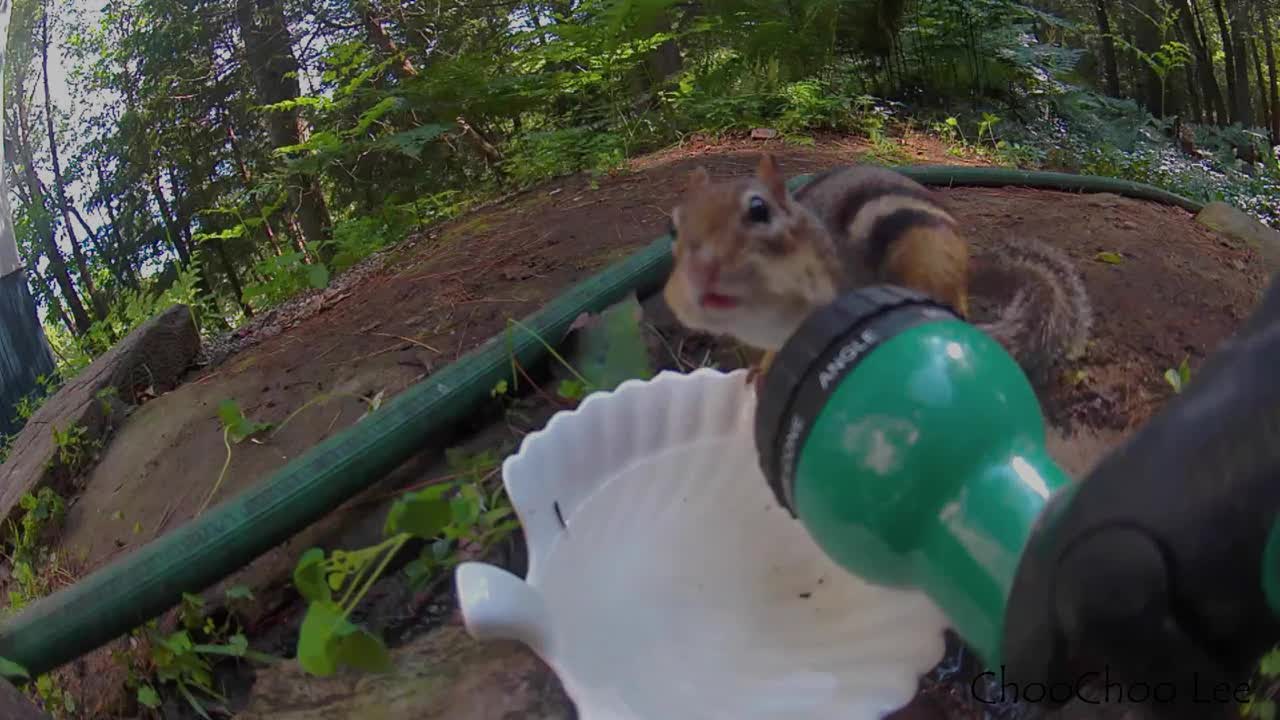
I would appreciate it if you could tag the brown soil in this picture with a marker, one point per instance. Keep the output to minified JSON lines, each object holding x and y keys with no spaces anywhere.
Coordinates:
{"x":1179,"y":292}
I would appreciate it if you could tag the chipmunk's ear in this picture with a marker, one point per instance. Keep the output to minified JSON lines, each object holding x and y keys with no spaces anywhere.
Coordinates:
{"x":699,"y":178}
{"x":767,"y":172}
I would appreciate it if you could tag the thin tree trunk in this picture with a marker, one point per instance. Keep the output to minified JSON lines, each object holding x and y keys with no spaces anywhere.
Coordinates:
{"x":52,"y":301}
{"x":379,"y":38}
{"x":22,"y":155}
{"x":180,"y":239}
{"x":1188,"y":75}
{"x":1108,"y":49}
{"x":1229,"y":57}
{"x":113,"y":227}
{"x":1204,"y":62}
{"x":113,"y":262}
{"x":247,"y":176}
{"x":1273,"y":91}
{"x":268,"y":49}
{"x":170,"y":224}
{"x":232,"y":276}
{"x":82,"y":264}
{"x":1147,"y":40}
{"x":1240,"y":41}
{"x":1263,"y":116}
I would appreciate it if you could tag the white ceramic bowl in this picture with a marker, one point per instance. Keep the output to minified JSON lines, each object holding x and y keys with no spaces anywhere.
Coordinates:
{"x":678,"y":589}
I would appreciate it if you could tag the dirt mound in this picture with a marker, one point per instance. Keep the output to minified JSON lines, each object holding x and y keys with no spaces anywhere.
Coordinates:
{"x":1177,"y":290}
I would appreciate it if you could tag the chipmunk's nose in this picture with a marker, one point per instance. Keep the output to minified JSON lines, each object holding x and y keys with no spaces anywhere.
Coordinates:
{"x":704,"y":270}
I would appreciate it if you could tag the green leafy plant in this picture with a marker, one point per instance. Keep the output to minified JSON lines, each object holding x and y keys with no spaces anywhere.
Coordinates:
{"x":73,"y":447}
{"x":235,"y":429}
{"x":1178,"y":378}
{"x":986,"y":127}
{"x":54,"y":698}
{"x":1261,"y":705}
{"x":32,"y":564}
{"x":445,"y":515}
{"x":183,"y":659}
{"x":1171,"y":54}
{"x":478,"y":518}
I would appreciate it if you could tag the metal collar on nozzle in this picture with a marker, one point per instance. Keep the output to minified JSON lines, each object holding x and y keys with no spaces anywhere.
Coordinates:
{"x":828,"y":345}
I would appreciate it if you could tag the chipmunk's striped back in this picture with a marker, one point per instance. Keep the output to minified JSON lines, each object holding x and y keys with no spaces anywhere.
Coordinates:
{"x":889,"y":228}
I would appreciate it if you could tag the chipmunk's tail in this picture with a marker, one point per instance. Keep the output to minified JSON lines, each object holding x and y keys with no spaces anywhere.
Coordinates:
{"x":1050,"y":318}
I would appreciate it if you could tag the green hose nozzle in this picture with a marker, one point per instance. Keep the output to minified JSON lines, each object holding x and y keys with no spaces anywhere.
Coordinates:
{"x":911,"y":447}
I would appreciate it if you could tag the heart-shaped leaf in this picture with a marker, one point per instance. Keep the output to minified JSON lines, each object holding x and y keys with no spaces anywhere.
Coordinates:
{"x":319,"y":638}
{"x":363,"y":650}
{"x":420,"y":516}
{"x":309,"y":577}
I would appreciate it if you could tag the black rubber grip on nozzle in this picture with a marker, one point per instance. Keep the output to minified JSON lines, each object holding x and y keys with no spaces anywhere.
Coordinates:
{"x":813,"y":361}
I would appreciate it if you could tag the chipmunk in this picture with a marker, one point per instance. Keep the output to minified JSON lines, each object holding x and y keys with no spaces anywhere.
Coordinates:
{"x":753,"y":260}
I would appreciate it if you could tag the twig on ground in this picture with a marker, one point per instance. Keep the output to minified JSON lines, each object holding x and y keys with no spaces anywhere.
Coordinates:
{"x":397,"y":346}
{"x":419,"y":343}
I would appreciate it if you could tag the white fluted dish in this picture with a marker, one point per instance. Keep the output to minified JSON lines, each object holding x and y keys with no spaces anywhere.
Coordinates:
{"x":677,"y":588}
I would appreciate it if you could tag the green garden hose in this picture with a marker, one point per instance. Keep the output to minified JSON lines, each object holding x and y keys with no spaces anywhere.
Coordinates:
{"x":123,"y":595}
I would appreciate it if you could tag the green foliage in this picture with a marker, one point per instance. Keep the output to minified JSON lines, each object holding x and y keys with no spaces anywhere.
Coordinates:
{"x":182,"y":660}
{"x":54,"y":699}
{"x":236,"y":428}
{"x":11,"y":670}
{"x":32,"y":564}
{"x":235,"y":424}
{"x":73,"y":447}
{"x":448,"y":516}
{"x":287,"y":275}
{"x":610,"y":347}
{"x":537,"y":156}
{"x":1178,"y":378}
{"x":477,"y":518}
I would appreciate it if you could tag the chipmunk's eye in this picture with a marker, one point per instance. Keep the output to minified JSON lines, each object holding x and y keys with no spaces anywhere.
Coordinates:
{"x":757,"y":210}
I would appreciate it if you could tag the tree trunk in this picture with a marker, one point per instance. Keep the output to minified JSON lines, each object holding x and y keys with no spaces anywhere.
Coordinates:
{"x":170,"y":224}
{"x":55,"y":306}
{"x":247,"y":176}
{"x":1188,"y":75}
{"x":82,"y":263}
{"x":379,"y":38}
{"x":20,"y":147}
{"x":1147,"y":37}
{"x":268,"y":49}
{"x":1273,"y":92}
{"x":119,"y":269}
{"x":1229,"y":56}
{"x":113,"y":228}
{"x":232,"y":276}
{"x":1195,"y":30}
{"x":1108,"y":49}
{"x":1263,"y":116}
{"x":1240,"y":41}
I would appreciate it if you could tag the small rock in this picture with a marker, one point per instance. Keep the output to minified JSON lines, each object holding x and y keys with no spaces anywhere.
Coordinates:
{"x":1242,"y":227}
{"x":516,"y":272}
{"x":764,"y":134}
